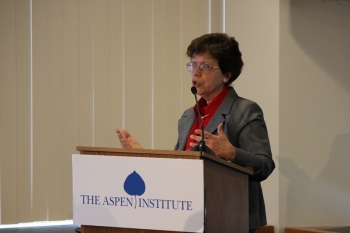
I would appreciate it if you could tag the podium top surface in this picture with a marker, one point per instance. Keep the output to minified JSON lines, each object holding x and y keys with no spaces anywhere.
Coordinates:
{"x":330,"y":229}
{"x":176,"y":154}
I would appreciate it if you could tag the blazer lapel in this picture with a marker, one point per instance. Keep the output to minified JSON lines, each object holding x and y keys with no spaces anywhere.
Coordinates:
{"x":184,"y":126}
{"x":223,"y":110}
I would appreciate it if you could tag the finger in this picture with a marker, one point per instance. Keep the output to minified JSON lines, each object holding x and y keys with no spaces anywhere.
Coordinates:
{"x":221,"y":130}
{"x":192,"y":144}
{"x":119,"y":134}
{"x":198,"y":131}
{"x":195,"y":137}
{"x":126,"y":133}
{"x":207,"y":135}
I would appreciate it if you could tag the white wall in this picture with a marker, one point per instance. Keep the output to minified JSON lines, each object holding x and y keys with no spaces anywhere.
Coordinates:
{"x":314,"y":113}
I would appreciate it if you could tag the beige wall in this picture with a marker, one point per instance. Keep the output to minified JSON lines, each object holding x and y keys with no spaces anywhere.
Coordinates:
{"x":74,"y":70}
{"x":255,"y":25}
{"x":314,"y":113}
{"x":297,"y":57}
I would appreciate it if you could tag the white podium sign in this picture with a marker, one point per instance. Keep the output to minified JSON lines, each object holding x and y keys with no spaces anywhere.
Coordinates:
{"x":138,"y":192}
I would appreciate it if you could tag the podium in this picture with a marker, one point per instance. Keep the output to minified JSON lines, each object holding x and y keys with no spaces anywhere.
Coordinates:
{"x":225,"y":190}
{"x":330,"y":229}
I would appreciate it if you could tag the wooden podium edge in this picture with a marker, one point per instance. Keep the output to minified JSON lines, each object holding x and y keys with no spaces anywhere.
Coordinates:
{"x":324,"y":229}
{"x":176,"y":154}
{"x":226,"y":163}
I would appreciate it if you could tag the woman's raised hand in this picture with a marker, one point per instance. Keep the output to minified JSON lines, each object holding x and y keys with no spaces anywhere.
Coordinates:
{"x":126,"y":140}
{"x":219,"y":144}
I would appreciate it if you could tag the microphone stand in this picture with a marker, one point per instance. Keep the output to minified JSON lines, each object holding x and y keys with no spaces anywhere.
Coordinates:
{"x":201,"y":144}
{"x":202,"y":148}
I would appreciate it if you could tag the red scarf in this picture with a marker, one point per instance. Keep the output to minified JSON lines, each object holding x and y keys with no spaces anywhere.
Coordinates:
{"x":207,"y":112}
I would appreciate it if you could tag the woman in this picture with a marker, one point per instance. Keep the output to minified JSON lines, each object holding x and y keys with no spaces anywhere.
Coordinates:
{"x":234,"y":127}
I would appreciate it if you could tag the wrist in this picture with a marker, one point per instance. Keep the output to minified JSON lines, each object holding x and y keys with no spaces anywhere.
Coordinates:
{"x":232,"y":154}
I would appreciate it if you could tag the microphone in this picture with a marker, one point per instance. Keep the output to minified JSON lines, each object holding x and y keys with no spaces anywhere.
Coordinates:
{"x":201,"y":144}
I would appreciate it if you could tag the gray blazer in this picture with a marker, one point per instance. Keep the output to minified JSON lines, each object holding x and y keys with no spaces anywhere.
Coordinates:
{"x":244,"y":126}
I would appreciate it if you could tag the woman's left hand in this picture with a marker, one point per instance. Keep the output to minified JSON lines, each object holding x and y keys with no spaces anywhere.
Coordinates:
{"x":126,"y":140}
{"x":219,"y":144}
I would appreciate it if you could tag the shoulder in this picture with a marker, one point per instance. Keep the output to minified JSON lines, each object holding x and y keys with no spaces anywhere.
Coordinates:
{"x":246,"y":104}
{"x":188,"y":112}
{"x":245,"y":111}
{"x":239,"y":105}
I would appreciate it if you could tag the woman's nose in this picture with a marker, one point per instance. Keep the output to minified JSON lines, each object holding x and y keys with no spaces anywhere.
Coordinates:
{"x":196,"y":71}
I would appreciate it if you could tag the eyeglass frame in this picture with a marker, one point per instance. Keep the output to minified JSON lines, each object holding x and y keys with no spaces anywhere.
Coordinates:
{"x":194,"y":66}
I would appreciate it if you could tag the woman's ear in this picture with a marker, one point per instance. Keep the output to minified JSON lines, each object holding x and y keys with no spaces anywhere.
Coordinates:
{"x":228,"y":75}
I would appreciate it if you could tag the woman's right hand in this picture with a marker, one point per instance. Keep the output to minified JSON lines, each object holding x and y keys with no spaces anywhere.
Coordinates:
{"x":126,"y":140}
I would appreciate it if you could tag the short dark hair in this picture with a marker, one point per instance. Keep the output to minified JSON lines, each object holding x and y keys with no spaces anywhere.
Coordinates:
{"x":223,"y":48}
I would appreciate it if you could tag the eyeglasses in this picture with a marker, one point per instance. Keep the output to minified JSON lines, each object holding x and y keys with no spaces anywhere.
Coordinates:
{"x":204,"y":68}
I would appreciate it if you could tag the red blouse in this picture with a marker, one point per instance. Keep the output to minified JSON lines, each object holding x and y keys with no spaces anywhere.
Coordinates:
{"x":207,"y":112}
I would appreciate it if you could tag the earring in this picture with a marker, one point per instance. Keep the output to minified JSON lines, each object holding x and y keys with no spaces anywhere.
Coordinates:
{"x":225,"y":80}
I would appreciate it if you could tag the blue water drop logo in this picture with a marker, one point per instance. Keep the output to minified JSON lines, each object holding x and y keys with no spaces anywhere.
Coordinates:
{"x":134,"y":185}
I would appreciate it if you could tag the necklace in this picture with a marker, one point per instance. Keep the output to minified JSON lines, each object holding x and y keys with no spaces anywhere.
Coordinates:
{"x":204,"y":116}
